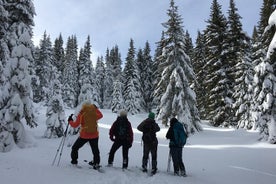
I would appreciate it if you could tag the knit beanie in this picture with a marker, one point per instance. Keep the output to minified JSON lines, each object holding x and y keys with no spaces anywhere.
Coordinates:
{"x":151,"y":115}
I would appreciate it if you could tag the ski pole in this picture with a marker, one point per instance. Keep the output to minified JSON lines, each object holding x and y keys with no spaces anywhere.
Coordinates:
{"x":60,"y":147}
{"x":169,"y":162}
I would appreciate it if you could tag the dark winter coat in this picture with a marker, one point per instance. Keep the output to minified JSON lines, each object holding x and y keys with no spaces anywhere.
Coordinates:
{"x":149,"y":128}
{"x":121,"y":130}
{"x":177,"y":135}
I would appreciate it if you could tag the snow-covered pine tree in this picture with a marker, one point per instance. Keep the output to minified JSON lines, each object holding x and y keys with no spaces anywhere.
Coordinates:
{"x":218,"y":103}
{"x":157,"y":72}
{"x":86,"y":74}
{"x":198,"y":64}
{"x":263,"y":109}
{"x":70,"y":73}
{"x":131,"y":87}
{"x":43,"y":69}
{"x":179,"y":100}
{"x":55,"y":112}
{"x":266,"y":70}
{"x":18,"y":105}
{"x":142,"y":67}
{"x":117,"y":100}
{"x":108,"y":82}
{"x":58,"y":54}
{"x":147,"y":77}
{"x":189,"y":47}
{"x":116,"y":62}
{"x":240,"y":70}
{"x":100,"y":77}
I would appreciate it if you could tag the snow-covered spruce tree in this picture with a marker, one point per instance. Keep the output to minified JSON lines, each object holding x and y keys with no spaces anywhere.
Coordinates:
{"x":263,"y":109}
{"x":141,"y":67}
{"x":217,"y":84}
{"x":86,"y":74}
{"x":43,"y":69}
{"x":18,"y":106}
{"x":178,"y":100}
{"x":189,"y":47}
{"x":117,"y":103}
{"x":59,"y":55}
{"x":70,"y":73}
{"x":116,"y":62}
{"x":240,"y":70}
{"x":145,"y":65}
{"x":157,"y":71}
{"x":132,"y":86}
{"x":100,"y":77}
{"x":266,"y":97}
{"x":108,"y":82}
{"x":6,"y":139}
{"x":55,"y":112}
{"x":198,"y":64}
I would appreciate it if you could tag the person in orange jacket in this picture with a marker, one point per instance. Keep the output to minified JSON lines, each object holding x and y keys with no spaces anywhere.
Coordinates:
{"x":87,"y":120}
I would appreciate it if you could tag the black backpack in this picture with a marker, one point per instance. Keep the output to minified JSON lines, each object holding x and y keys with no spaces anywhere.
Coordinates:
{"x":122,"y":129}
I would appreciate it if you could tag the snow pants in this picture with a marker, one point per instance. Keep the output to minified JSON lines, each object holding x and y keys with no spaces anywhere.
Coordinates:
{"x":150,"y":148}
{"x":116,"y":145}
{"x":178,"y":165}
{"x":94,"y":147}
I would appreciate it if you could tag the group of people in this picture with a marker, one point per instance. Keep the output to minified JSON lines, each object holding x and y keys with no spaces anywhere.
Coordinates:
{"x":121,"y":134}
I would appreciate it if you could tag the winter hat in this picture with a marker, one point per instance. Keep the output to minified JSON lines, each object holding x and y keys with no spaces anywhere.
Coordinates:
{"x":173,"y":121}
{"x":123,"y":113}
{"x":151,"y":115}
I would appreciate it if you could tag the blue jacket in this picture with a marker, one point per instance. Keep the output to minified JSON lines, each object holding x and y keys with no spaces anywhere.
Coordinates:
{"x":177,"y":135}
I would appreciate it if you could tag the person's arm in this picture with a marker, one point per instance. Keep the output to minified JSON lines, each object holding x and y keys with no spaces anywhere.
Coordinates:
{"x":130,"y":133}
{"x":156,"y":127}
{"x":111,"y":131}
{"x":76,"y":123}
{"x":99,"y":114}
{"x":141,"y":126}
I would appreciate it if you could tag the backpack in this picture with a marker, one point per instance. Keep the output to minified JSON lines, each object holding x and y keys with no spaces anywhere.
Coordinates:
{"x":89,"y":119}
{"x":121,"y":129}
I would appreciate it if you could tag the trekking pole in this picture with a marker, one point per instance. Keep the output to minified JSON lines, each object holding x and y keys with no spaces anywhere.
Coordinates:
{"x":169,"y":162}
{"x":149,"y":161}
{"x":60,"y":147}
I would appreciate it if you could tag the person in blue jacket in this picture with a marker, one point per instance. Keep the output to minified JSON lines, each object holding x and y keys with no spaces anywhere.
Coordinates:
{"x":177,"y":136}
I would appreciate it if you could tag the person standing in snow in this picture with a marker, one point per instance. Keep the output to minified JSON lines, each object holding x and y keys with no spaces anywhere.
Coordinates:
{"x":122,"y":135}
{"x":177,"y":136}
{"x":149,"y":128}
{"x":87,"y":120}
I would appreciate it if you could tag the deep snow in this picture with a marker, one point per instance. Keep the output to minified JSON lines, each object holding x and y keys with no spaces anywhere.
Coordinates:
{"x":214,"y":156}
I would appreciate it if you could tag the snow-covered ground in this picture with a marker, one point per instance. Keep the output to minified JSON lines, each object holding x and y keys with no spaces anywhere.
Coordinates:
{"x":214,"y":156}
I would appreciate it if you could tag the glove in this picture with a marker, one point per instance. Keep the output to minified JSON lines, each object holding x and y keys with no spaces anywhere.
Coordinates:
{"x":70,"y":117}
{"x":112,"y":138}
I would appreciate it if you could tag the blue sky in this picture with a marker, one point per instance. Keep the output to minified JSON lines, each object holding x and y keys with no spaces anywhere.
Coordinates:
{"x":110,"y":22}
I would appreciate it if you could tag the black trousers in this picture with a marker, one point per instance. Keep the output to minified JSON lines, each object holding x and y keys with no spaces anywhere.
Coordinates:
{"x":94,"y":147}
{"x":176,"y":154}
{"x":150,"y":148}
{"x":116,"y":145}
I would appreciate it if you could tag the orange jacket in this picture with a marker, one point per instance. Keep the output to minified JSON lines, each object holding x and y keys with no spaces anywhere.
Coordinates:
{"x":83,"y":134}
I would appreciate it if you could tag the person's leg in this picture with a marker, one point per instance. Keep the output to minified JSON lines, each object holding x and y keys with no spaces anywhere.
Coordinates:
{"x":146,"y":150}
{"x":154,"y":157}
{"x":116,"y":145}
{"x":175,"y":160}
{"x":75,"y":148}
{"x":181,"y":163}
{"x":125,"y":155}
{"x":95,"y":150}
